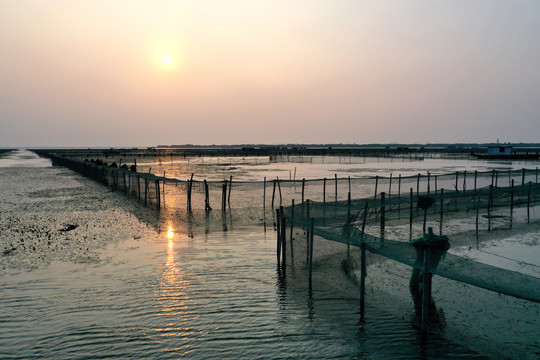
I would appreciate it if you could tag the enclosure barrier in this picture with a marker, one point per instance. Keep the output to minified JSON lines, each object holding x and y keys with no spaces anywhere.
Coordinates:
{"x":262,"y":197}
{"x":353,"y":223}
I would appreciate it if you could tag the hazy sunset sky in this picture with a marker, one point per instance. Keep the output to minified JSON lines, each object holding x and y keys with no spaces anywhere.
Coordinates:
{"x":91,"y":73}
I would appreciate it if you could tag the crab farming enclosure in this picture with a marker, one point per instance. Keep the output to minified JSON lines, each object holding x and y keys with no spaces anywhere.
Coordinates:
{"x":352,"y":214}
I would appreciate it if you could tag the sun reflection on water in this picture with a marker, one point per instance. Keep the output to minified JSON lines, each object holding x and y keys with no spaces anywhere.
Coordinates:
{"x":172,"y":297}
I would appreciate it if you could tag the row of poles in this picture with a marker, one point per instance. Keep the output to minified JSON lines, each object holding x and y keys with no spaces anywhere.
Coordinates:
{"x":281,"y":230}
{"x":426,"y":279}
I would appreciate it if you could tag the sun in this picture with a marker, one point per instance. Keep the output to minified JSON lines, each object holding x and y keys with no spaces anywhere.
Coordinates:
{"x":166,"y":59}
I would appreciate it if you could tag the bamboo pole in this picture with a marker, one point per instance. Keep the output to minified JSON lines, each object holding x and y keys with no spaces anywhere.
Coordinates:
{"x":490,"y":201}
{"x":145,"y":191}
{"x":278,"y":231}
{"x":264,"y":199}
{"x":383,"y":211}
{"x":376,"y":185}
{"x":529,"y":202}
{"x":477,"y":209}
{"x":224,"y":195}
{"x":158,"y":195}
{"x":442,"y":211}
{"x":230,"y":189}
{"x":311,"y":250}
{"x":279,"y":188}
{"x":207,"y":206}
{"x":512,"y":203}
{"x":273,"y":194}
{"x":411,"y":210}
{"x":324,"y":191}
{"x":283,"y":237}
{"x":303,"y":188}
{"x":335,"y":177}
{"x":292,"y":218}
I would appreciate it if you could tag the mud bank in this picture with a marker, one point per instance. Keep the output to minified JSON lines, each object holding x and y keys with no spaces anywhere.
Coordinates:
{"x":50,"y":213}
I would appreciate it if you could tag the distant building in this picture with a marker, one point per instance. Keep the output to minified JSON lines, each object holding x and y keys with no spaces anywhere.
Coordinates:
{"x":499,"y":150}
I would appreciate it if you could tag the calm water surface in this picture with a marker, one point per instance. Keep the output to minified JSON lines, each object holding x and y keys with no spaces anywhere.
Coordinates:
{"x":216,"y":296}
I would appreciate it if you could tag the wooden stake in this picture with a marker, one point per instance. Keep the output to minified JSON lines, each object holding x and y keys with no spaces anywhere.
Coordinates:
{"x":411,"y":210}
